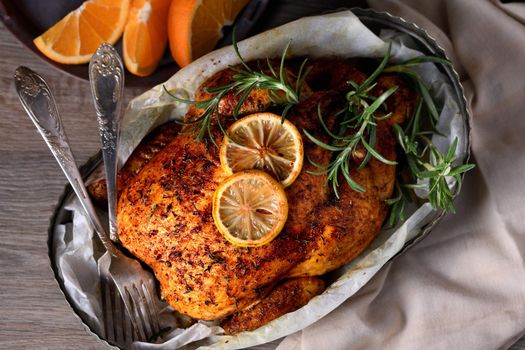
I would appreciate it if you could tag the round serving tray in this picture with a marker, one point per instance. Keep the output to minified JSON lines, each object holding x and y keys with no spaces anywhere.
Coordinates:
{"x":375,"y":21}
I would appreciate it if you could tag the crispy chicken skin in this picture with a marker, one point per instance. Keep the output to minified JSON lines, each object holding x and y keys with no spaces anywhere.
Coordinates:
{"x":164,"y":214}
{"x":165,"y":220}
{"x":145,"y":151}
{"x":340,"y":229}
{"x":285,"y":297}
{"x":257,"y":100}
{"x":333,"y":74}
{"x":308,"y":191}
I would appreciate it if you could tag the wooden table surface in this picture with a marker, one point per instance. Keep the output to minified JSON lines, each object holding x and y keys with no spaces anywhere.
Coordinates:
{"x":33,"y":311}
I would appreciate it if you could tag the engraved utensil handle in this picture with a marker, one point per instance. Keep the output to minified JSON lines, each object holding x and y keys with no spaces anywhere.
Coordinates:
{"x":40,"y":105}
{"x":106,"y":76}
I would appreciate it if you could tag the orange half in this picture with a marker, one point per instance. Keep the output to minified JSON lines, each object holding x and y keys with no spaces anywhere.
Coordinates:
{"x":195,"y":26}
{"x":76,"y":37}
{"x":145,"y":35}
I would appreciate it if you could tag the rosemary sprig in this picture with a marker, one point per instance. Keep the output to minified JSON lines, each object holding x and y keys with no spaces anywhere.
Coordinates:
{"x":365,"y":135}
{"x":425,"y":161}
{"x":405,"y":69}
{"x":202,"y":124}
{"x":359,"y":116}
{"x":280,"y":89}
{"x":428,"y":165}
{"x":397,"y":204}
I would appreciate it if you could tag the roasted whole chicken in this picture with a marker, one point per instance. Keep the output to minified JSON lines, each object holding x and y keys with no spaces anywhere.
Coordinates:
{"x":165,"y":213}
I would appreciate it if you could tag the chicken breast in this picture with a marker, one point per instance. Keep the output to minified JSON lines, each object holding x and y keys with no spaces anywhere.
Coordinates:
{"x":165,"y":220}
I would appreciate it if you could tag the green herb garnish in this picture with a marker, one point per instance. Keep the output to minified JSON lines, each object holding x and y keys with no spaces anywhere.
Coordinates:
{"x":359,"y":116}
{"x":280,"y":89}
{"x":357,"y":130}
{"x":427,"y":164}
{"x":357,"y":126}
{"x":203,"y":122}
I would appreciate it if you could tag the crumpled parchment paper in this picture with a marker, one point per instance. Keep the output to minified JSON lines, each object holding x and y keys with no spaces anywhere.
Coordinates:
{"x":339,"y":34}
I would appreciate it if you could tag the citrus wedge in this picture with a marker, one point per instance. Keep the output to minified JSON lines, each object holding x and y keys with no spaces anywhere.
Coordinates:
{"x":145,"y":35}
{"x":261,"y":141}
{"x":76,"y":37}
{"x":194,"y":26}
{"x":250,"y":208}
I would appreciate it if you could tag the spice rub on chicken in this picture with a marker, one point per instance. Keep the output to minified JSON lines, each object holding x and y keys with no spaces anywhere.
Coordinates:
{"x":165,"y":210}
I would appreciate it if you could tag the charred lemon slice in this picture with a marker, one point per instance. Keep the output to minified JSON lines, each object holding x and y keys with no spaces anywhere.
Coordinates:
{"x":250,"y":208}
{"x":262,"y":141}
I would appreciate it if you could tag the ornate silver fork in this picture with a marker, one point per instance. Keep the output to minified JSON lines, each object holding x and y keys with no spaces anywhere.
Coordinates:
{"x":135,"y":285}
{"x":106,"y":77}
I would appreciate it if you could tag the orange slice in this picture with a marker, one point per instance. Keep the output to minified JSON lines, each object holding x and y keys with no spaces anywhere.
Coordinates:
{"x":76,"y":37}
{"x":145,"y":35}
{"x":250,"y":208}
{"x":263,"y":141}
{"x":194,"y":26}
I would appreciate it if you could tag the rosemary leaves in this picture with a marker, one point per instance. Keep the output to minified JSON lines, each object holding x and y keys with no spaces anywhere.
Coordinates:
{"x":281,"y":90}
{"x":430,"y":169}
{"x":360,"y":117}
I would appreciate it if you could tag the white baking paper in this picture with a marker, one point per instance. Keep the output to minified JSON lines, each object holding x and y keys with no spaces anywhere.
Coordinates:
{"x":335,"y":35}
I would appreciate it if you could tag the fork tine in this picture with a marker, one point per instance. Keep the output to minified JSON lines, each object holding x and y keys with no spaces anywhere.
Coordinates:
{"x":128,"y":304}
{"x":108,"y":311}
{"x":152,"y":309}
{"x":140,"y":306}
{"x":129,"y":331}
{"x":144,"y":309}
{"x":135,"y":316}
{"x":118,"y":318}
{"x":118,"y":328}
{"x":104,"y":308}
{"x":124,"y":328}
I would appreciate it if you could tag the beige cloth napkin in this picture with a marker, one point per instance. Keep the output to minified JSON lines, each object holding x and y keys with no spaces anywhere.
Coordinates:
{"x":463,"y":286}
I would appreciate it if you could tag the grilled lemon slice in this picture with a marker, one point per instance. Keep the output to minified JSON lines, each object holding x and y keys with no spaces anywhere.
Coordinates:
{"x":250,"y":208}
{"x":262,"y":141}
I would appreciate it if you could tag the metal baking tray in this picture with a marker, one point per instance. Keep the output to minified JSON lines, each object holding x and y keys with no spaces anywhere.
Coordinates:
{"x":375,"y":21}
